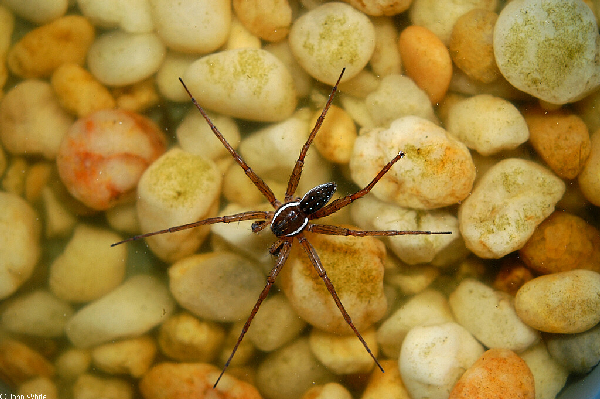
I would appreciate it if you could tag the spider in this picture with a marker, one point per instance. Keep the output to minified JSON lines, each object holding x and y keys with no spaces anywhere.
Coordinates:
{"x":292,"y":217}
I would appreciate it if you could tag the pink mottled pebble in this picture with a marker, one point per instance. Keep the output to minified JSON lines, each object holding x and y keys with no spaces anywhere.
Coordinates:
{"x":498,"y":373}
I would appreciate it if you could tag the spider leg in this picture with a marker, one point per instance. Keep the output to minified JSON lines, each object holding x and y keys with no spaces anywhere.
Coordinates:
{"x":342,"y":231}
{"x":284,"y":252}
{"x":339,"y":203}
{"x":258,"y":182}
{"x":297,"y":172}
{"x":238,"y":217}
{"x":314,"y":258}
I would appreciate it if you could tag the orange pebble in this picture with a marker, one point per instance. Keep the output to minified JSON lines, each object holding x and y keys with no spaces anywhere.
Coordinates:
{"x":426,"y":60}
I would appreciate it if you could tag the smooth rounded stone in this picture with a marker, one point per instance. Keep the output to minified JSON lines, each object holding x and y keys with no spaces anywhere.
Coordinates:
{"x":72,"y":363}
{"x":245,"y":83}
{"x":426,"y":308}
{"x":192,"y":380}
{"x":398,"y":96}
{"x":38,"y":313}
{"x":490,"y":316}
{"x":436,"y":171}
{"x":508,"y":202}
{"x":167,"y":77}
{"x":549,"y":375}
{"x":19,"y":242}
{"x":39,"y":12}
{"x":178,"y":188}
{"x":290,"y":371}
{"x":218,"y":286}
{"x":118,"y":58}
{"x":79,"y":92}
{"x":344,"y":354}
{"x":138,"y":97}
{"x":412,"y":279}
{"x":386,"y":385}
{"x":132,"y":309}
{"x":530,"y":38}
{"x":130,"y":356}
{"x":440,"y":17}
{"x":377,"y":8}
{"x":512,"y":275}
{"x":330,"y":37}
{"x":32,"y":121}
{"x":86,"y":270}
{"x":426,"y":60}
{"x":19,"y":362}
{"x":561,"y":243}
{"x":336,"y":136}
{"x":578,"y":353}
{"x":185,"y":338}
{"x":103,"y":156}
{"x":471,"y":46}
{"x":373,"y":214}
{"x":40,"y":384}
{"x":487,"y":124}
{"x":330,"y":390}
{"x":131,"y":16}
{"x":44,"y":49}
{"x":275,"y":325}
{"x":589,"y":178}
{"x":60,"y":221}
{"x":565,"y":302}
{"x":355,"y":268}
{"x":91,"y":386}
{"x":269,"y":20}
{"x":560,"y":138}
{"x":386,"y":57}
{"x":240,"y":37}
{"x":497,"y":373}
{"x":433,"y":358}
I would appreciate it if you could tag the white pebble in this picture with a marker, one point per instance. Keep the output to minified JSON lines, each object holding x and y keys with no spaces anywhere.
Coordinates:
{"x":192,"y":26}
{"x":131,"y":16}
{"x":487,"y":124}
{"x":549,"y":375}
{"x":331,"y":37}
{"x":433,"y":358}
{"x":167,"y":77}
{"x":90,"y":386}
{"x":343,"y":354}
{"x":132,"y":309}
{"x":437,"y":169}
{"x":119,"y":58}
{"x":72,"y":363}
{"x":245,"y":83}
{"x":217,"y":286}
{"x":40,"y":11}
{"x":509,"y":201}
{"x":490,"y":316}
{"x":19,"y":242}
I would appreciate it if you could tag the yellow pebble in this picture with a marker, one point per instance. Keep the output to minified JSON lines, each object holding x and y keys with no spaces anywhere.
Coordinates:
{"x":426,"y":60}
{"x":336,"y":136}
{"x":137,"y":97}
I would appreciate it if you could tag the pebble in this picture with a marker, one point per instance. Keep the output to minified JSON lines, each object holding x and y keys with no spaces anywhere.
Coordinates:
{"x":565,"y":302}
{"x":578,"y":353}
{"x":38,"y":313}
{"x":290,"y":371}
{"x":549,"y":375}
{"x":512,"y":275}
{"x":410,"y":280}
{"x":425,"y":308}
{"x":185,"y":338}
{"x":330,"y":37}
{"x":509,"y":201}
{"x":269,"y":20}
{"x":386,"y":385}
{"x":426,"y":60}
{"x":434,"y":357}
{"x":91,"y":386}
{"x":437,"y":170}
{"x":132,"y":357}
{"x":19,"y":242}
{"x":118,"y":58}
{"x":132,"y":16}
{"x":386,"y":57}
{"x":19,"y":363}
{"x":38,"y":12}
{"x":589,"y":177}
{"x":561,"y":243}
{"x":138,"y":97}
{"x":398,"y":96}
{"x":245,"y":83}
{"x":34,"y":386}
{"x":32,"y":121}
{"x":132,"y":309}
{"x":487,"y":124}
{"x":471,"y":46}
{"x":490,"y":316}
{"x":103,"y":156}
{"x":561,"y":139}
{"x":330,"y":390}
{"x":167,"y":77}
{"x":72,"y":363}
{"x":191,"y":26}
{"x":218,"y":286}
{"x":376,"y":8}
{"x":192,"y":380}
{"x":336,"y":135}
{"x":241,"y":37}
{"x":539,"y":65}
{"x":497,"y":373}
{"x":355,"y":267}
{"x":343,"y":354}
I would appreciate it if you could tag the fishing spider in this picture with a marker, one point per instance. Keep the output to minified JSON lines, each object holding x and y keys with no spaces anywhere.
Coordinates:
{"x":291,"y":218}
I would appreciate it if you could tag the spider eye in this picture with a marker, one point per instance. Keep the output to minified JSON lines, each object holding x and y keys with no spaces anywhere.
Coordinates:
{"x":317,"y":197}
